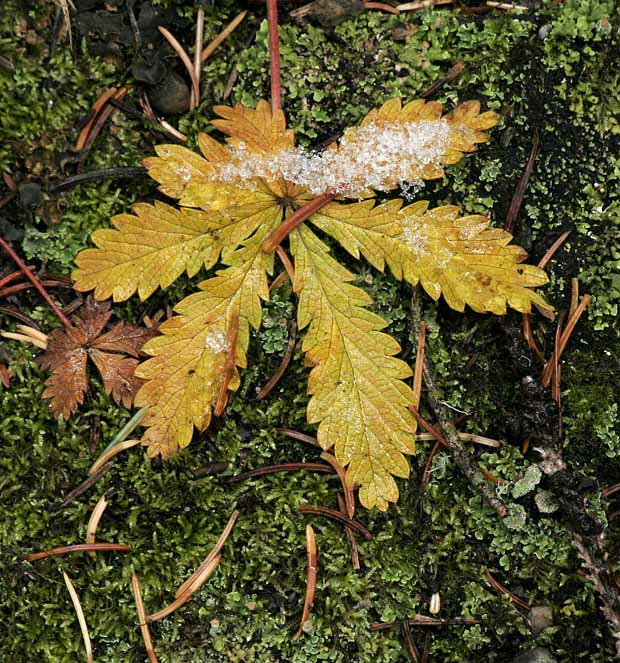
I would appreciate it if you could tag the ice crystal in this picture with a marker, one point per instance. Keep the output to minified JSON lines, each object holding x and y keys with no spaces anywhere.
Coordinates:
{"x":372,"y":157}
{"x":216,"y":342}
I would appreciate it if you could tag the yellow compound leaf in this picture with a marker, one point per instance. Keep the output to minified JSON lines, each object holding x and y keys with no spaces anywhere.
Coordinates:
{"x":358,"y":398}
{"x":187,"y":368}
{"x":155,"y":246}
{"x":460,"y":257}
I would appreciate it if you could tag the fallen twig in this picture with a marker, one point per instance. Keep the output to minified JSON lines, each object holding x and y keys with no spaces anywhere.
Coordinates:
{"x":80,"y":615}
{"x":78,"y":547}
{"x":312,"y":570}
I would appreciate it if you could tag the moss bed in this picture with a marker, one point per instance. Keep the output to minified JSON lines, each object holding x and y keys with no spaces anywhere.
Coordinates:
{"x":552,"y":70}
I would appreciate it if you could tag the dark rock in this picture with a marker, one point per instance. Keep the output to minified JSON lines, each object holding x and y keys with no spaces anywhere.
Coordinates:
{"x":30,"y":195}
{"x":540,"y":618}
{"x":536,"y":655}
{"x":171,"y":95}
{"x":330,"y":12}
{"x":149,"y":68}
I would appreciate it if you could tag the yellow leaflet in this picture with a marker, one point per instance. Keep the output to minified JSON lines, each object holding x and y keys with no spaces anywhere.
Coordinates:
{"x":187,"y":368}
{"x":154,"y":247}
{"x":463,"y":129}
{"x":358,"y":398}
{"x":460,"y":257}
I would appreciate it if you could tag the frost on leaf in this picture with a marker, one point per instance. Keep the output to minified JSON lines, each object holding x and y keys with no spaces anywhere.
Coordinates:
{"x":231,"y":198}
{"x":67,"y":356}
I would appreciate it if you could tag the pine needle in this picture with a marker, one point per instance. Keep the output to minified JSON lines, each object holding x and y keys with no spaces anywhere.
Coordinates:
{"x":81,"y":619}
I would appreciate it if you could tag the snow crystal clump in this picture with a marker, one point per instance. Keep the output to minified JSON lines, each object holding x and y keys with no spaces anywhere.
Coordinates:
{"x":216,"y":342}
{"x":370,"y":157}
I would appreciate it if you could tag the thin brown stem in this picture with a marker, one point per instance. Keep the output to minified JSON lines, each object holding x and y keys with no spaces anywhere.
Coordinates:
{"x":289,"y":224}
{"x":78,"y":547}
{"x":428,"y":427}
{"x":497,"y":585}
{"x":381,"y":6}
{"x":211,"y":48}
{"x":355,"y":555}
{"x":336,"y":515}
{"x":424,"y":620}
{"x":85,"y":485}
{"x":200,"y":30}
{"x":419,"y":364}
{"x":298,"y":435}
{"x":35,"y":282}
{"x":542,"y":263}
{"x":529,"y":337}
{"x":274,"y":55}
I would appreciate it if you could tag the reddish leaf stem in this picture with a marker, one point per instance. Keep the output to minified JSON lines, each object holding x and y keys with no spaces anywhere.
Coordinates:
{"x":229,"y":366}
{"x":22,"y":265}
{"x":517,"y":199}
{"x":552,"y":249}
{"x":286,"y":360}
{"x":504,"y":590}
{"x":289,"y":224}
{"x":274,"y":55}
{"x":78,"y":547}
{"x":302,"y":437}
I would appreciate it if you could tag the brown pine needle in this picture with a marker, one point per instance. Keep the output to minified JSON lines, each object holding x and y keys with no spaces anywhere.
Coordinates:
{"x":184,"y":58}
{"x":453,"y":72}
{"x":568,"y":330}
{"x":85,"y":485}
{"x":517,"y":199}
{"x":172,"y":131}
{"x":382,"y":6}
{"x":24,"y":338}
{"x":430,"y":429}
{"x":422,"y":4}
{"x":224,"y":34}
{"x":93,"y":521}
{"x":13,"y":276}
{"x":503,"y":590}
{"x":574,"y":297}
{"x":217,"y":548}
{"x":109,"y":453}
{"x":283,"y":467}
{"x":425,"y":620}
{"x":553,"y":248}
{"x":355,"y":555}
{"x":78,"y":547}
{"x":81,"y":619}
{"x":36,"y":283}
{"x":279,"y":280}
{"x":555,"y":361}
{"x":199,"y":580}
{"x":419,"y":365}
{"x":229,"y":366}
{"x":99,"y":104}
{"x":466,"y":437}
{"x":302,"y":437}
{"x":200,"y":30}
{"x":102,"y":118}
{"x":311,"y":577}
{"x":286,"y":360}
{"x":410,"y":645}
{"x":349,"y":495}
{"x":336,"y":515}
{"x":505,"y":6}
{"x":144,"y":627}
{"x":529,"y":337}
{"x":426,"y":474}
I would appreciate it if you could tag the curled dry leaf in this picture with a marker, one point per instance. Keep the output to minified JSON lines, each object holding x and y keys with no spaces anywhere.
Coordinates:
{"x":68,"y":351}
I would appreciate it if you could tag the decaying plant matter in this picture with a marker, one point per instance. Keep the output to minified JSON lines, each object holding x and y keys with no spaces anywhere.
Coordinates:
{"x":238,"y":202}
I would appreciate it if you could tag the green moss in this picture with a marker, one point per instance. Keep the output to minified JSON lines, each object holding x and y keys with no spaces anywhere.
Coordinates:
{"x":552,"y":70}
